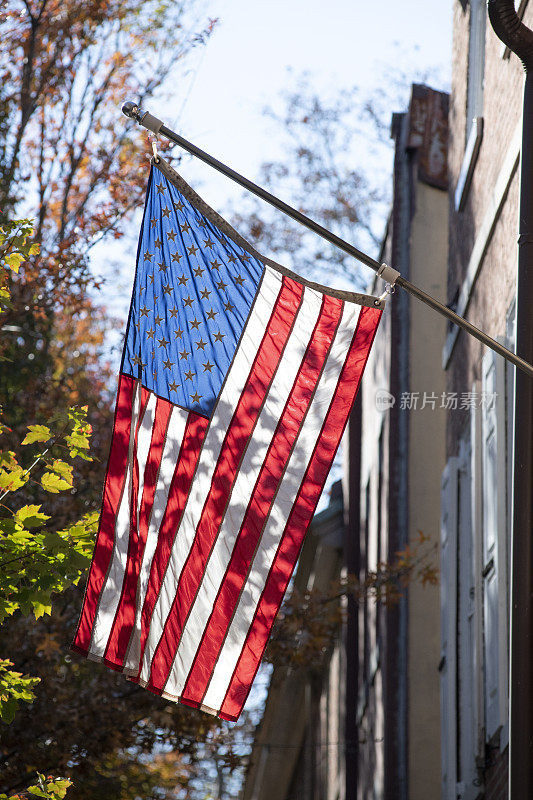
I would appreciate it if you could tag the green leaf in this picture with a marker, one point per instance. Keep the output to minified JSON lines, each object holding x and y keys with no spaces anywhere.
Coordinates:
{"x":40,"y":609}
{"x":14,"y":688}
{"x":77,"y":439}
{"x":51,"y":788}
{"x":8,"y":459}
{"x":37,"y":433}
{"x":8,"y":709}
{"x":7,"y":527}
{"x":54,"y":483}
{"x":62,"y":469}
{"x":80,"y":560}
{"x":12,"y":478}
{"x":30,"y":517}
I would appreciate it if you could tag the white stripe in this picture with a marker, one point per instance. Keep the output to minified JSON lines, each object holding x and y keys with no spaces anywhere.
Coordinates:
{"x":169,"y":458}
{"x":243,"y":487}
{"x":144,"y":440}
{"x":110,"y":595}
{"x":201,"y":485}
{"x":281,"y":510}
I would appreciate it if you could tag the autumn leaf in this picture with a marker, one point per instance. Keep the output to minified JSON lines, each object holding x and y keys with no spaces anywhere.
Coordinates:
{"x":37,"y":433}
{"x":40,"y":609}
{"x":62,"y":469}
{"x":14,"y":260}
{"x":12,"y":476}
{"x":54,"y":483}
{"x":30,"y":517}
{"x":48,"y":645}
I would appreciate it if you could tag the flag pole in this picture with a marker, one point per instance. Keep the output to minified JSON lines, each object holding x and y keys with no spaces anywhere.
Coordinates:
{"x":156,"y":126}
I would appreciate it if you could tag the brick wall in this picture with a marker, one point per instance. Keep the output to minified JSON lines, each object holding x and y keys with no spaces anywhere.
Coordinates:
{"x":495,"y":286}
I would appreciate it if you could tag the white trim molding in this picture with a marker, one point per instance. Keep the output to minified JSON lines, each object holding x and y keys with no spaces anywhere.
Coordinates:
{"x":469,"y":162}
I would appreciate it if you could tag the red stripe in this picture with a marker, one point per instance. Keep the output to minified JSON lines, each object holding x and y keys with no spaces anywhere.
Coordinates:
{"x":301,"y":514}
{"x":113,"y":487}
{"x":225,"y":472}
{"x":193,"y":437}
{"x":125,"y":613}
{"x":267,"y":484}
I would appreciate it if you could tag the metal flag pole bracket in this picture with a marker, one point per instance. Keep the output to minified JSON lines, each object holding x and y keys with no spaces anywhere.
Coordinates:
{"x":151,"y":123}
{"x":389,"y":275}
{"x":153,"y":141}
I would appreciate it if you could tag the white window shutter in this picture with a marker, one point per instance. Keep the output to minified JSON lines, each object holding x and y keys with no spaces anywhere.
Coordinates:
{"x":476,"y":507}
{"x":447,"y":666}
{"x":494,"y":548}
{"x":505,"y":449}
{"x":467,"y":626}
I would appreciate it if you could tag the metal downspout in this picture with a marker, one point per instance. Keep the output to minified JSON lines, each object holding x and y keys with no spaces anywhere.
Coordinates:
{"x":519,"y":38}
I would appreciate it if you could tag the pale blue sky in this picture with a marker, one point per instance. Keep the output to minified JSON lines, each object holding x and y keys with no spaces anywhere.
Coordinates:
{"x":219,"y":103}
{"x":244,"y":67}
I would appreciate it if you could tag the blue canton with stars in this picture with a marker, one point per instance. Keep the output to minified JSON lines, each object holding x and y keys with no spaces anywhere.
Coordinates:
{"x":194,"y":288}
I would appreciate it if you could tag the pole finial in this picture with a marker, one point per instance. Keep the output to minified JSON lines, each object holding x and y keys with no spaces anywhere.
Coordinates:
{"x":131,"y":110}
{"x":151,"y":123}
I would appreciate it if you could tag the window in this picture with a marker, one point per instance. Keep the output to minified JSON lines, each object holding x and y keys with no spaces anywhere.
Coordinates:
{"x":467,"y":618}
{"x":363,"y":611}
{"x":475,"y":532}
{"x":366,"y":609}
{"x":490,"y":556}
{"x":495,"y":542}
{"x":474,"y":99}
{"x":510,"y":342}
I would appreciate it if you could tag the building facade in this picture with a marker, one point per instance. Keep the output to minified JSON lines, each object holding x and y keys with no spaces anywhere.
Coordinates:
{"x":424,"y":685}
{"x":402,"y":455}
{"x":368,"y":725}
{"x":484,"y":155}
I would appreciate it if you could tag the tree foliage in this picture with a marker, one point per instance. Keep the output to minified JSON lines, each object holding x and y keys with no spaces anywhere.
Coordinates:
{"x":69,"y":159}
{"x":335,"y":167}
{"x":36,"y":561}
{"x":48,"y":787}
{"x":335,"y":170}
{"x":310,"y":619}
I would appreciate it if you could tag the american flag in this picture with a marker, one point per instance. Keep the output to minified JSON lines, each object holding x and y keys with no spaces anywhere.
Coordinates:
{"x":236,"y":383}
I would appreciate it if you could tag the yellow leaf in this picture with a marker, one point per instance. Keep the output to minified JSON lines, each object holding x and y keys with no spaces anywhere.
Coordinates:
{"x":62,"y":469}
{"x":37,"y":433}
{"x":30,"y":517}
{"x":54,"y":483}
